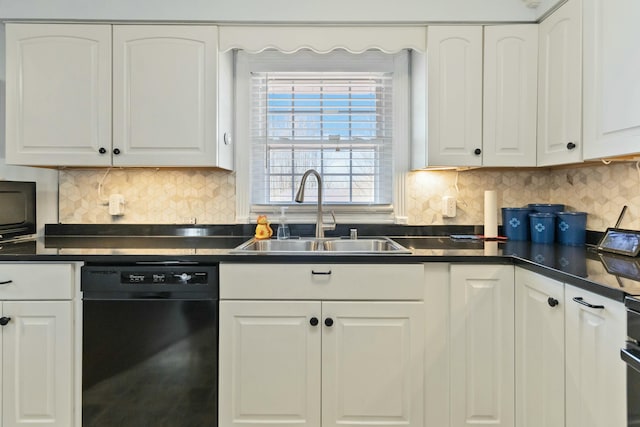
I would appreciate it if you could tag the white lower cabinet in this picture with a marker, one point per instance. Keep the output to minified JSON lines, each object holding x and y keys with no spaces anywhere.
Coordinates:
{"x":595,"y":374}
{"x":269,"y":363}
{"x":37,"y":364}
{"x":326,"y":345}
{"x":437,"y":353}
{"x":37,"y":353}
{"x":539,"y":350}
{"x":321,"y":362}
{"x":482,"y":345}
{"x":372,"y":363}
{"x":568,"y":368}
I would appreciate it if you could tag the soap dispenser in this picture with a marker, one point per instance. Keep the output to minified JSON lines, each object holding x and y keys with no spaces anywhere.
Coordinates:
{"x":283,"y":227}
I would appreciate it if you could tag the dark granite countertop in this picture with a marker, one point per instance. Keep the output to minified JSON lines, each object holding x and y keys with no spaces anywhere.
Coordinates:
{"x":605,"y":274}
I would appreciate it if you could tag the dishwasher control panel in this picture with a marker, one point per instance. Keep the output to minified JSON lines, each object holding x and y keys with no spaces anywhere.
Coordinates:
{"x":172,"y":277}
{"x":149,"y":278}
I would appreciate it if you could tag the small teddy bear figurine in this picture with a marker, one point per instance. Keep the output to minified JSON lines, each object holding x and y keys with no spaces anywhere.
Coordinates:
{"x":263,"y":229}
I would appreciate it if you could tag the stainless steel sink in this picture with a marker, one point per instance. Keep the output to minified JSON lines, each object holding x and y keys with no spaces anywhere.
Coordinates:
{"x":378,"y":245}
{"x":290,"y":245}
{"x":315,"y":246}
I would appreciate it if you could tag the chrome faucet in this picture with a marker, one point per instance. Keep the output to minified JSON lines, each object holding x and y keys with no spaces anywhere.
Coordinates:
{"x":300,"y":198}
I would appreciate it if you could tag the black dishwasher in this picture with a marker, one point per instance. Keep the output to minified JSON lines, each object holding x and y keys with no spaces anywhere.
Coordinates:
{"x":150,"y":345}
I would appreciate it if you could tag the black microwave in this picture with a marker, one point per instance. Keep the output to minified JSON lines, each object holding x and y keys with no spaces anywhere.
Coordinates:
{"x":17,"y":209}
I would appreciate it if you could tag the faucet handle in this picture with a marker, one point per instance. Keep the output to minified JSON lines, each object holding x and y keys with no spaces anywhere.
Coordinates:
{"x":331,"y":226}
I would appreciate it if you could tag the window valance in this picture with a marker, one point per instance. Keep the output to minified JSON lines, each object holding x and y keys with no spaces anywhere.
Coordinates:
{"x":323,"y":39}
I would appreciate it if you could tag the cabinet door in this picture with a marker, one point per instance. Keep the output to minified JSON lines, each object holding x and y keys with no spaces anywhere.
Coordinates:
{"x":164,"y":95}
{"x":58,"y":94}
{"x":482,"y":345}
{"x":595,"y":374}
{"x":372,"y":364}
{"x":539,"y":350}
{"x":269,"y":363}
{"x":437,"y":355}
{"x":510,"y":95}
{"x":611,"y":70}
{"x":37,"y":361}
{"x":455,"y":95}
{"x":560,"y":87}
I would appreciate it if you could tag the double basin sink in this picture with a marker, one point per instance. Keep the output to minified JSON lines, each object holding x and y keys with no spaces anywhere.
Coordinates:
{"x":326,"y":246}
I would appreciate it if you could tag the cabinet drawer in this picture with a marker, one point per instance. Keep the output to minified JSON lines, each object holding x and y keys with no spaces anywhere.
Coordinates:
{"x":322,"y":281}
{"x":36,"y":281}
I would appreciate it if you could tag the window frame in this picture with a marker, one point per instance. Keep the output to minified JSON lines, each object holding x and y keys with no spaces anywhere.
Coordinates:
{"x":271,"y":61}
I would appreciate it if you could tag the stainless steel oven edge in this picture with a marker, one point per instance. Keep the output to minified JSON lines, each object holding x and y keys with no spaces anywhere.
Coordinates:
{"x":631,"y":356}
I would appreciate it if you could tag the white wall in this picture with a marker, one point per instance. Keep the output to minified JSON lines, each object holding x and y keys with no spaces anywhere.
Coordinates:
{"x":46,"y":179}
{"x":273,"y":10}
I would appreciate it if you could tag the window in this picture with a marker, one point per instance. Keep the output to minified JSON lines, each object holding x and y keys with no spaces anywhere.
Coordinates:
{"x":335,"y":113}
{"x":336,"y":123}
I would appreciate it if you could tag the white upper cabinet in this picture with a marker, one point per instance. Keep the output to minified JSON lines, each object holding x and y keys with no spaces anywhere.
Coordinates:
{"x":481,"y":86}
{"x":454,"y":69}
{"x":611,"y":70}
{"x":510,"y":95}
{"x":164,"y":81}
{"x":164,"y":95}
{"x":58,"y":94}
{"x":560,"y":87}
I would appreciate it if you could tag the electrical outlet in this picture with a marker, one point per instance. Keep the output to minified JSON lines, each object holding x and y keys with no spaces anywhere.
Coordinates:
{"x":116,"y":205}
{"x":448,"y":206}
{"x":187,"y":220}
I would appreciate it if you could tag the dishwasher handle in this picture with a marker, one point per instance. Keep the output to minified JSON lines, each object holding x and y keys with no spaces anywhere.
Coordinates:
{"x":149,"y":295}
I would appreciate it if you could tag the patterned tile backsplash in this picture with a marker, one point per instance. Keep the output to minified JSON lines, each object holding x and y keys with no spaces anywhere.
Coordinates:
{"x":152,"y":196}
{"x":168,"y":196}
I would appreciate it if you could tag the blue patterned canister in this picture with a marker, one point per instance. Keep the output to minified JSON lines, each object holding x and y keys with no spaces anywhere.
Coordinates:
{"x":571,"y":228}
{"x":515,"y":223}
{"x":542,"y":227}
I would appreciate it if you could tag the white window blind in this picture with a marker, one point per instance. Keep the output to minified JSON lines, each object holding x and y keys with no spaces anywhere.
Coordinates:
{"x":338,"y":123}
